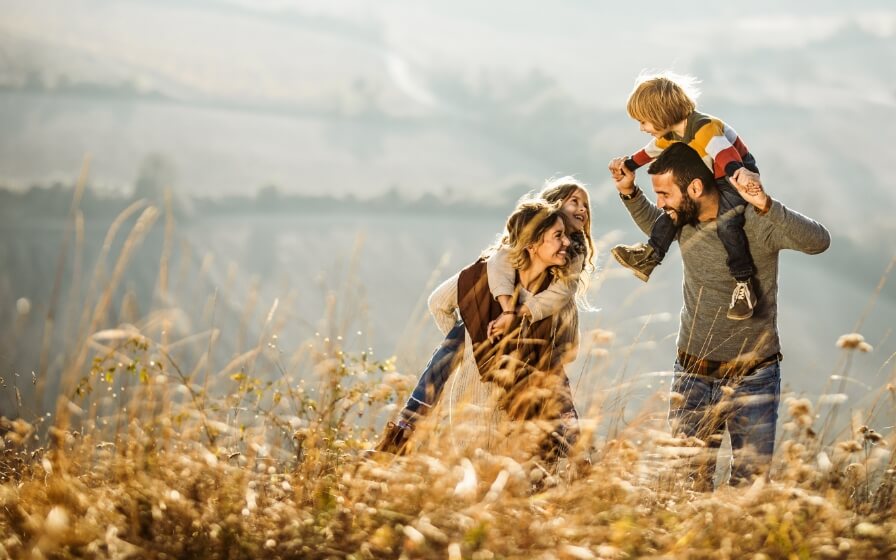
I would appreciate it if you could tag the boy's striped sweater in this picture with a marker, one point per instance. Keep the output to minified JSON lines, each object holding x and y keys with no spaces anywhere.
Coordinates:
{"x":717,"y":143}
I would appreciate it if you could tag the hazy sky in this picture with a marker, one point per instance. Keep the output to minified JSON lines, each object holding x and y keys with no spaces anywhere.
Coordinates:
{"x":361,"y":97}
{"x":272,"y":50}
{"x":475,"y":99}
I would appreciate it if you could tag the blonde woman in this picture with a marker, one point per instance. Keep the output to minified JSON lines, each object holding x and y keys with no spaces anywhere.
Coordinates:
{"x":514,"y":371}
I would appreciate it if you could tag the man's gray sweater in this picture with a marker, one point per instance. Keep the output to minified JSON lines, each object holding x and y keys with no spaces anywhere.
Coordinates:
{"x":705,"y":331}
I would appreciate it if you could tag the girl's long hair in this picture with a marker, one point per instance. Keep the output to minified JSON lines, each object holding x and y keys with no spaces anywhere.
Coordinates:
{"x":559,"y":189}
{"x":526,"y":226}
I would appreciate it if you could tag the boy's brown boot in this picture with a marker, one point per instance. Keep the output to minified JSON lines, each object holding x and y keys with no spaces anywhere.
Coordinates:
{"x":395,"y":439}
{"x":640,"y":258}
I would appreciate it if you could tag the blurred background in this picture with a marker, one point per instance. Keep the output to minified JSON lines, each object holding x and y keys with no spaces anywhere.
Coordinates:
{"x":335,"y":160}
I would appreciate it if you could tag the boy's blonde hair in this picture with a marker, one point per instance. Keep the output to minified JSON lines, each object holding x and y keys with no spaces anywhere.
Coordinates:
{"x":663,"y":99}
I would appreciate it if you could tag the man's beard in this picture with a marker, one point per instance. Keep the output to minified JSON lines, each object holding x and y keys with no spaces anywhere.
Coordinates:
{"x":686,"y":214}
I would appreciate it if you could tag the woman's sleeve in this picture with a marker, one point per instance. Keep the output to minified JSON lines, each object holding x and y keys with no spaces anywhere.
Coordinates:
{"x":501,"y":275}
{"x":442,"y":304}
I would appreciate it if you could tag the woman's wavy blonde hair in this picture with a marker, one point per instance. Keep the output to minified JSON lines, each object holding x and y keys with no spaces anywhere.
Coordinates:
{"x":525,"y":227}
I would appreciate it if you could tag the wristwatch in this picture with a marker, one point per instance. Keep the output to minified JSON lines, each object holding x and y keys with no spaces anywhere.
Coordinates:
{"x":631,"y":195}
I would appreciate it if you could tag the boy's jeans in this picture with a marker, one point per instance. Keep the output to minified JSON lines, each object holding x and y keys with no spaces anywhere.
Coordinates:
{"x":730,"y":228}
{"x":750,"y":413}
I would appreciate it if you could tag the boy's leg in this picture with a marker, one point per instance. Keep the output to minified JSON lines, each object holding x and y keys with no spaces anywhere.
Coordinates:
{"x":426,"y":393}
{"x":662,"y":234}
{"x":731,"y":231}
{"x":730,"y":226}
{"x":642,"y":258}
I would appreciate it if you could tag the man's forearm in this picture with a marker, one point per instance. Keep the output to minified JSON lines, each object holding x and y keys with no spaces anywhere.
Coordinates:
{"x":643,"y":212}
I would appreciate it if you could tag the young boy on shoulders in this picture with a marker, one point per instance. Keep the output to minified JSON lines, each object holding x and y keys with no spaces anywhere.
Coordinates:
{"x":665,"y":107}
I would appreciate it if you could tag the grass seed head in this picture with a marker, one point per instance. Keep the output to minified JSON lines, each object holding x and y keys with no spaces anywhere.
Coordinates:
{"x":850,"y":341}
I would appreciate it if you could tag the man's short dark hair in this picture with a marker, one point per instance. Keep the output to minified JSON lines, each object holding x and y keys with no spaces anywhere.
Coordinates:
{"x":685,"y":165}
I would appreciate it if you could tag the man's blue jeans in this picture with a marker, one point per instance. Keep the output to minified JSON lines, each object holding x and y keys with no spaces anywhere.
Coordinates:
{"x":749,"y":412}
{"x":435,"y":375}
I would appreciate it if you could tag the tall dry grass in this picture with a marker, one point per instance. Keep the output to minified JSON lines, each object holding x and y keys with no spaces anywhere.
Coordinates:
{"x":147,"y":456}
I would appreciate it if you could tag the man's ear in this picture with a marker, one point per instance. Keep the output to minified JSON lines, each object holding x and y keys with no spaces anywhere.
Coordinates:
{"x":696,"y":188}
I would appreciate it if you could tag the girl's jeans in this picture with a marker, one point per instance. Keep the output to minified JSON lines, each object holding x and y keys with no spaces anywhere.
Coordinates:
{"x":435,"y":375}
{"x":749,"y":412}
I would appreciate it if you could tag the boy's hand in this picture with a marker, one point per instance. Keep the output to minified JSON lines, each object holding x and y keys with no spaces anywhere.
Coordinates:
{"x":750,"y":188}
{"x":744,"y":179}
{"x":622,"y":175}
{"x":615,"y":167}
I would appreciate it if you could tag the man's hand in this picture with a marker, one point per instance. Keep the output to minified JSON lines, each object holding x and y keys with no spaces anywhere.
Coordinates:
{"x":750,"y":187}
{"x":622,"y":175}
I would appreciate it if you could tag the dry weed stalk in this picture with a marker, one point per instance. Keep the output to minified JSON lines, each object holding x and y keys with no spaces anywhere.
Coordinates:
{"x":263,"y":457}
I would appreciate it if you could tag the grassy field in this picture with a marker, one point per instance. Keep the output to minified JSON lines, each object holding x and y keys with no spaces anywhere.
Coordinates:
{"x":155,"y":448}
{"x":275,"y":470}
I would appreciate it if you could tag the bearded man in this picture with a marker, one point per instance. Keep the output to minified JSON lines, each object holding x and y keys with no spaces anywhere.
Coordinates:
{"x":726,"y":374}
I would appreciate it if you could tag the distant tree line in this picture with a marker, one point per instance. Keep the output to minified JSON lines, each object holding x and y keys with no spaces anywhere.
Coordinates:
{"x":54,"y":202}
